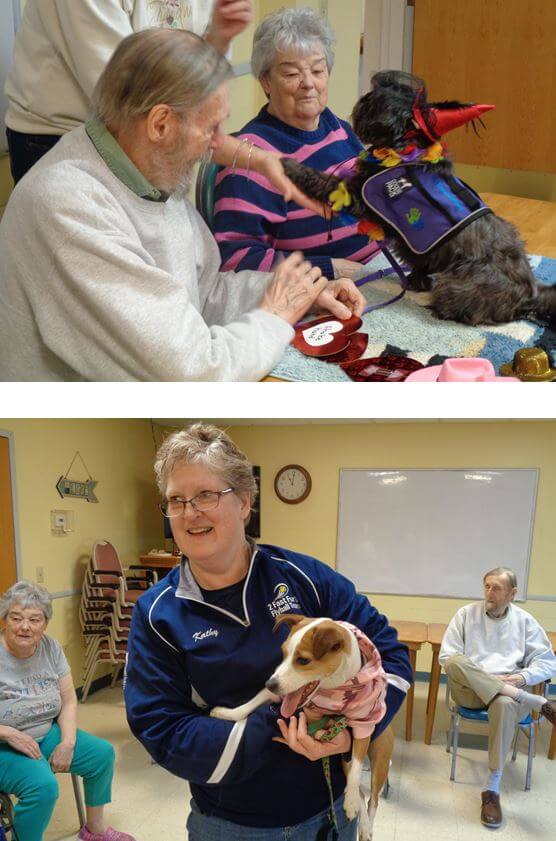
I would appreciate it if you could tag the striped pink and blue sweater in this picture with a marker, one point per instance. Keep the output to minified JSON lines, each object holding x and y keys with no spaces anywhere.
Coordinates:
{"x":254,"y":225}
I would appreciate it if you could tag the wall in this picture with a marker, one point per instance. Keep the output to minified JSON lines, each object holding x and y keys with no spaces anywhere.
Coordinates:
{"x":119,"y":455}
{"x":311,"y":526}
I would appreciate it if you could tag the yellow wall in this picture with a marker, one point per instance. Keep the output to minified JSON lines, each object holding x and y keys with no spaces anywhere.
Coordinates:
{"x":311,"y":526}
{"x":119,"y":455}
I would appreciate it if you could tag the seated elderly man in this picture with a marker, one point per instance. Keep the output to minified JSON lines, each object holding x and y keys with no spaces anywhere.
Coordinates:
{"x":108,"y":273}
{"x":490,"y":651}
{"x":255,"y":224}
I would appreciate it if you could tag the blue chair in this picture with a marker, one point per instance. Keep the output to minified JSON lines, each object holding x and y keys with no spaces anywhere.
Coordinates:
{"x":204,"y":191}
{"x":527,"y":725}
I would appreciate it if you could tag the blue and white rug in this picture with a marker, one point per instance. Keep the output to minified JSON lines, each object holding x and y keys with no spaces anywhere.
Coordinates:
{"x":409,"y":328}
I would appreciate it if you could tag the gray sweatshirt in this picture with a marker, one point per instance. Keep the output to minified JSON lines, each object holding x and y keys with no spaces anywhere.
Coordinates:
{"x":98,"y":283}
{"x":514,"y":643}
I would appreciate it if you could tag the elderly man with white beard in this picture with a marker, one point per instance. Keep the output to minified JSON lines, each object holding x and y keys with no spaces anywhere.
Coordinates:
{"x":109,"y":273}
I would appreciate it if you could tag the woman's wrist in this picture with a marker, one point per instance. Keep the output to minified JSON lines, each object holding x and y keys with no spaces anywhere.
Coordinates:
{"x":6,"y":732}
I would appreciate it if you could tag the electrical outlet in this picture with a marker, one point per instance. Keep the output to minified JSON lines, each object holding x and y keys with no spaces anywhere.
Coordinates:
{"x":40,"y":575}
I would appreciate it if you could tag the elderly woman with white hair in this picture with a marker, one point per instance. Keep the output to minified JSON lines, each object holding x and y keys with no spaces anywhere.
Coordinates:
{"x":255,"y":224}
{"x":38,"y":733}
{"x":204,"y":637}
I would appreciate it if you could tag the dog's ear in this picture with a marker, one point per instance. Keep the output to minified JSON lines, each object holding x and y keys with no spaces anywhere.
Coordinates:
{"x":327,"y":638}
{"x":289,"y":619}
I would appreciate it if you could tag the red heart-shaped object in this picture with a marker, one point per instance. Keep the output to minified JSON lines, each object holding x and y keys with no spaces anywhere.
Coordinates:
{"x":357,"y":345}
{"x":325,"y":336}
{"x":387,"y":368}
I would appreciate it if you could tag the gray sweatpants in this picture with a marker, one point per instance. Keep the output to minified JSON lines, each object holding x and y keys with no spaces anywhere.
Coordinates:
{"x":472,"y":687}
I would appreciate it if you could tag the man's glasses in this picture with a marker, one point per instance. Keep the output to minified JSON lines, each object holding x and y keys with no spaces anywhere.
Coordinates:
{"x":204,"y":501}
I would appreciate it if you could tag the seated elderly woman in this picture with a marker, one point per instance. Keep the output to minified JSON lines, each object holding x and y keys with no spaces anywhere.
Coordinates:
{"x":254,"y":224}
{"x":38,"y":735}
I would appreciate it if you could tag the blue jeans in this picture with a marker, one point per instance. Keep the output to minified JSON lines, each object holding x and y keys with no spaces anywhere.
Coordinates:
{"x":205,"y":828}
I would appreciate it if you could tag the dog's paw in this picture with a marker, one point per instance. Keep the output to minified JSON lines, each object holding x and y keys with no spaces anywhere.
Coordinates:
{"x":226,"y":713}
{"x":352,"y":803}
{"x":365,"y":831}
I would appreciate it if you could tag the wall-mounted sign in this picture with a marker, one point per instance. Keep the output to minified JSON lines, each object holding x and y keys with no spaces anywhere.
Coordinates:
{"x":82,"y":490}
{"x":78,"y":489}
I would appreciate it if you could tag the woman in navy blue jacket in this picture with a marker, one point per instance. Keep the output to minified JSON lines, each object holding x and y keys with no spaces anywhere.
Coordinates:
{"x":203,"y":637}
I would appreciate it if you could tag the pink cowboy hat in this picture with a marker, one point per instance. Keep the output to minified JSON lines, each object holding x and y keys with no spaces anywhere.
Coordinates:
{"x":472,"y":370}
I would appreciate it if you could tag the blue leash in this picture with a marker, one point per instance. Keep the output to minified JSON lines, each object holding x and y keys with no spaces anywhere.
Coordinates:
{"x":372,"y":276}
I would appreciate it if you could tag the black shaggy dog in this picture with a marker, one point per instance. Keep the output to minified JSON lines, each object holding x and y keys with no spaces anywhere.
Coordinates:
{"x":478,"y":273}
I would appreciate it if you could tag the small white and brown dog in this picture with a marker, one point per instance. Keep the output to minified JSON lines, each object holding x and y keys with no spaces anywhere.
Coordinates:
{"x":332,"y":668}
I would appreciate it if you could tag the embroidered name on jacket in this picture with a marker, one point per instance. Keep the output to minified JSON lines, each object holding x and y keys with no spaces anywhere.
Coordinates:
{"x":284,"y":601}
{"x":422,"y":205}
{"x":201,"y":635}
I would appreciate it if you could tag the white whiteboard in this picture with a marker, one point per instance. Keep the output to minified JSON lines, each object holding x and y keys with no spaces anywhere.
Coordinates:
{"x":434,"y":532}
{"x":9,"y":19}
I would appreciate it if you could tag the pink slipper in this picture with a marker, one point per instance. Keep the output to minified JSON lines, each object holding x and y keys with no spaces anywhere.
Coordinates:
{"x":109,"y":834}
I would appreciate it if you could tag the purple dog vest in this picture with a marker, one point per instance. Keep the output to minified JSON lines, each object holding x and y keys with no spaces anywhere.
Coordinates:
{"x":424,"y":207}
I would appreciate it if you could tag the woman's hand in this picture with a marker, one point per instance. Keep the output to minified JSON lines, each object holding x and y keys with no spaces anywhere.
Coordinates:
{"x":295,"y":736}
{"x":229,"y":18}
{"x":346,"y":268}
{"x":61,"y":757}
{"x":342,"y":298}
{"x":270,"y":165}
{"x":23,"y":743}
{"x":295,"y":287}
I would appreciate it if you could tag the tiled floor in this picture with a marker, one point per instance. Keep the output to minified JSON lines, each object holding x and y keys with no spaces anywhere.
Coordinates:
{"x":423,"y":805}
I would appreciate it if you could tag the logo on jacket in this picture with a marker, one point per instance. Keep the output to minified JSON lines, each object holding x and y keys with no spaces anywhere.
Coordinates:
{"x":283,"y":601}
{"x":201,"y":635}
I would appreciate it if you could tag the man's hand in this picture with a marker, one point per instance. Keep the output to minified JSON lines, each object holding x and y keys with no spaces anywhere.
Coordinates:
{"x":23,"y":743}
{"x":514,"y":680}
{"x":61,"y":757}
{"x":342,"y":298}
{"x":229,"y":18}
{"x":295,"y":287}
{"x":295,"y":736}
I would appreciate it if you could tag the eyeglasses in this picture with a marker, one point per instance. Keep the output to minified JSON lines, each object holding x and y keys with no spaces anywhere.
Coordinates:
{"x":204,"y":501}
{"x":34,"y":622}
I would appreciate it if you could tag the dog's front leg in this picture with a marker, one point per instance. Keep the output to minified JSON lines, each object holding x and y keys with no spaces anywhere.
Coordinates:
{"x":241,"y":712}
{"x":354,"y":803}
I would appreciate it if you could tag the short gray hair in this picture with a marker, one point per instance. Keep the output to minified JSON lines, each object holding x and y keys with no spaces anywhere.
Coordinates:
{"x":287,"y":29}
{"x":26,"y":594}
{"x":156,"y":66}
{"x":205,"y":444}
{"x":508,"y":573}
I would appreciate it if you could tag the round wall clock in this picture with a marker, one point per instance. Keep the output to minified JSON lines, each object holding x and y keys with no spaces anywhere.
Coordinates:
{"x":292,"y":484}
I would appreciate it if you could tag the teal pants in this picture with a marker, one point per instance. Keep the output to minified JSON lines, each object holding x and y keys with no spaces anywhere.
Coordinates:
{"x":36,"y":787}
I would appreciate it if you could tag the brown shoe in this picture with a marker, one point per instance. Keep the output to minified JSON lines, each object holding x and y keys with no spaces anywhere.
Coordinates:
{"x":549,"y":711}
{"x":491,"y":811}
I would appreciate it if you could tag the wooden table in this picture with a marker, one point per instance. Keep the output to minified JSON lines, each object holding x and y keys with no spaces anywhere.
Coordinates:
{"x":435,"y":633}
{"x":552,"y":746}
{"x":413,"y":634}
{"x":162,"y":564}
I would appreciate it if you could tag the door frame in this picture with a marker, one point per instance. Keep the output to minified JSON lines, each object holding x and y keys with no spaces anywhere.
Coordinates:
{"x":6,"y":433}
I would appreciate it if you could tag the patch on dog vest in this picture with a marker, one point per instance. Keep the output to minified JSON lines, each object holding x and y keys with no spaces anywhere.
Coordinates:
{"x":424,"y":207}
